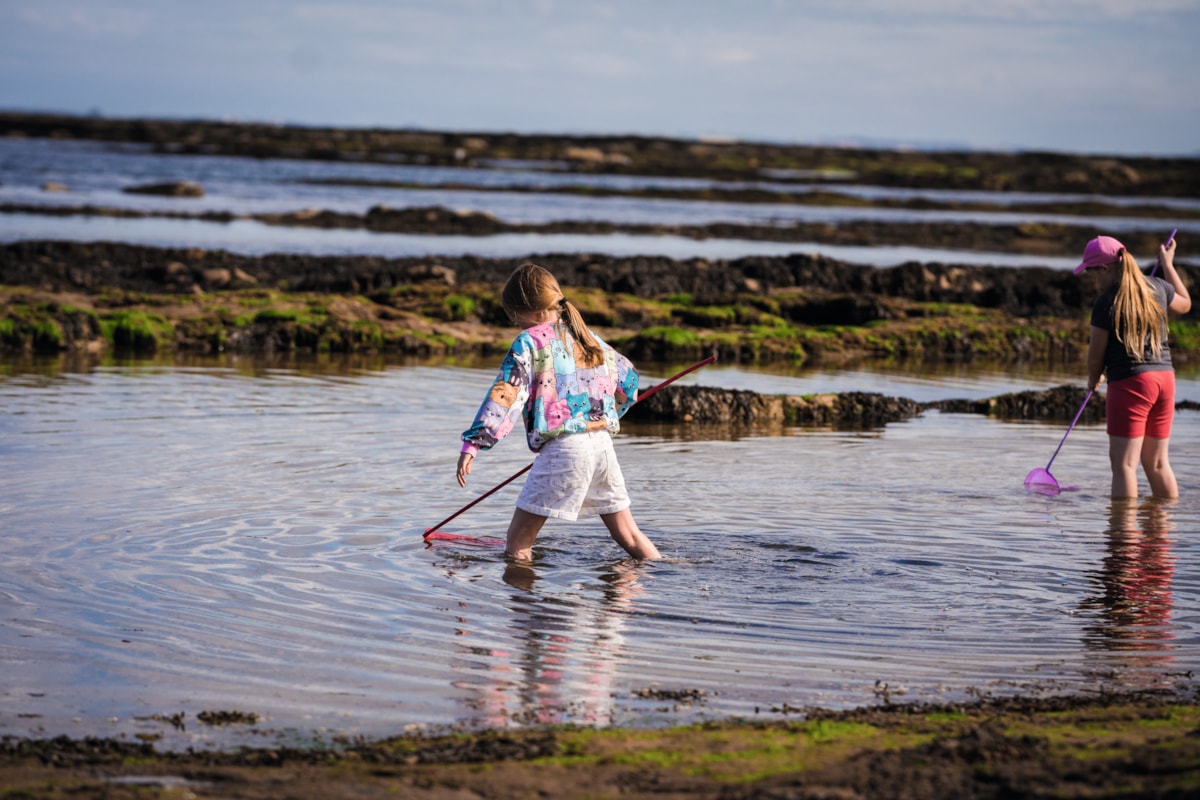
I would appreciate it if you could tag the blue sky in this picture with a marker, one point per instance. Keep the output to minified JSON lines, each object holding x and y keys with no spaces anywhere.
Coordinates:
{"x":1093,"y":76}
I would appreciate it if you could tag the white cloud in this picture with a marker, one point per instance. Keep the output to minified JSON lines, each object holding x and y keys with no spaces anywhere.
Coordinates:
{"x":599,"y":64}
{"x":1029,"y":11}
{"x":90,"y":20}
{"x":732,"y":55}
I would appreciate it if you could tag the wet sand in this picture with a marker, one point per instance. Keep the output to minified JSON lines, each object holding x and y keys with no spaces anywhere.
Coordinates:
{"x":1118,"y":746}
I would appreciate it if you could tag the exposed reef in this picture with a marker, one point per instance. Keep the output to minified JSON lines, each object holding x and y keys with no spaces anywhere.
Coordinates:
{"x":1035,"y":238}
{"x":802,"y":308}
{"x":640,"y":155}
{"x":863,"y":290}
{"x":704,"y":405}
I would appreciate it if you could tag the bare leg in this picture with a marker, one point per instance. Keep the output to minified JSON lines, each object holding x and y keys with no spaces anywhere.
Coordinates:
{"x":1124,"y":455}
{"x":625,"y":532}
{"x":522,"y":533}
{"x":1158,"y":468}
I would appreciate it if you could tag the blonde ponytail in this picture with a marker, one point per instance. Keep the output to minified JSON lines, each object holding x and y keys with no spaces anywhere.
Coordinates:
{"x":532,"y":288}
{"x":593,"y":354}
{"x":1137,"y":315}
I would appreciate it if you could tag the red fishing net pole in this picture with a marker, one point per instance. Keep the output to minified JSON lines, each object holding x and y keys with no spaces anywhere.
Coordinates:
{"x":436,"y":533}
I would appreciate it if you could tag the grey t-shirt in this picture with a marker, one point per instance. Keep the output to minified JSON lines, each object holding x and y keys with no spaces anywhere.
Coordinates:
{"x":1117,"y":362}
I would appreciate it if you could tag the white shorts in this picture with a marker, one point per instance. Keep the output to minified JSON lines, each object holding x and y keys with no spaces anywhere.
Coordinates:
{"x":575,"y":475}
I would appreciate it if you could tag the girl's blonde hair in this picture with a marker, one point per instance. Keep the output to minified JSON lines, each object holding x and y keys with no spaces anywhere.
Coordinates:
{"x":1137,"y":315}
{"x":532,"y":288}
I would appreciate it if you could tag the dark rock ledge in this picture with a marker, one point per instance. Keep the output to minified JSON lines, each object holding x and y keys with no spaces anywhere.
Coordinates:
{"x":852,"y":410}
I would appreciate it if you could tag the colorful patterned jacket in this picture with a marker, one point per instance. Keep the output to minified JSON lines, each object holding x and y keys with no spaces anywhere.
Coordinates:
{"x":541,"y":381}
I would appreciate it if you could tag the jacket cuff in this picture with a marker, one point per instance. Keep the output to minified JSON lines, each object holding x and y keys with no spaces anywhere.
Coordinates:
{"x":469,"y":448}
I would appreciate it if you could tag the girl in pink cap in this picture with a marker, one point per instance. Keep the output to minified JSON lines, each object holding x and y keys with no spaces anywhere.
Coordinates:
{"x":1129,"y":344}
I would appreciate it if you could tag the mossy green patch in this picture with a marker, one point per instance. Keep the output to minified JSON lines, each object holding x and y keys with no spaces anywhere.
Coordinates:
{"x":47,"y":335}
{"x":44,"y":327}
{"x":731,"y":754}
{"x":1104,"y":736}
{"x":441,"y":339}
{"x":460,"y":307}
{"x":257,"y":299}
{"x":135,"y":331}
{"x":271,"y":315}
{"x":1034,"y":334}
{"x":707,"y":316}
{"x":672,"y":336}
{"x":368,"y":333}
{"x":1185,"y":335}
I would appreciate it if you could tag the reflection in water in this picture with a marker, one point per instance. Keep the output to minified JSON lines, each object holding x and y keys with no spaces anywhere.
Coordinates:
{"x":1135,"y":579}
{"x":567,"y":652}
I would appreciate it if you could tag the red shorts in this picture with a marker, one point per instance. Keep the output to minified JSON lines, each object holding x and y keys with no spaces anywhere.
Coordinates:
{"x":1142,"y":405}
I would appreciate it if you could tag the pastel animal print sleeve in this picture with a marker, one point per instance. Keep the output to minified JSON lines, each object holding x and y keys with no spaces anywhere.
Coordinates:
{"x":627,"y":381}
{"x":505,"y":399}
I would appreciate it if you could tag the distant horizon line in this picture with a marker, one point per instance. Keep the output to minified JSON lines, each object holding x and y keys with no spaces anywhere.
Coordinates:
{"x":848,"y":142}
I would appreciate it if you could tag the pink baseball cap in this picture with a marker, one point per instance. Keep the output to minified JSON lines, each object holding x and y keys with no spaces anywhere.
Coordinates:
{"x":1099,"y":251}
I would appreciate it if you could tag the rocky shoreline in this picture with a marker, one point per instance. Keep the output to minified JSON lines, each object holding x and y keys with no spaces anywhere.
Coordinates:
{"x":99,"y":299}
{"x":1128,"y":746}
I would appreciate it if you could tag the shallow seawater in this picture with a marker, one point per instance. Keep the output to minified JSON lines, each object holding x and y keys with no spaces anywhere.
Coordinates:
{"x":251,"y":238}
{"x":223,"y":536}
{"x":95,"y":175}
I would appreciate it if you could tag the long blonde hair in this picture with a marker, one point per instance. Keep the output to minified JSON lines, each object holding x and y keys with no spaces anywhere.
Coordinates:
{"x":532,"y":288}
{"x":1137,"y":314}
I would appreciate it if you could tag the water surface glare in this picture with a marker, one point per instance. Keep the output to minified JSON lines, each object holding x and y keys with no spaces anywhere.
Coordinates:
{"x":182,"y":539}
{"x":247,"y":237}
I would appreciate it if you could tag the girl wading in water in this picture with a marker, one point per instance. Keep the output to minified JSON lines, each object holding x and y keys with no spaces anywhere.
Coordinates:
{"x":570,"y":389}
{"x":1128,"y":344}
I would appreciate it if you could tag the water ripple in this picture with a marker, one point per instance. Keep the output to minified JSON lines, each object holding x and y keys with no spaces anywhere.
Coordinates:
{"x":203,"y":538}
